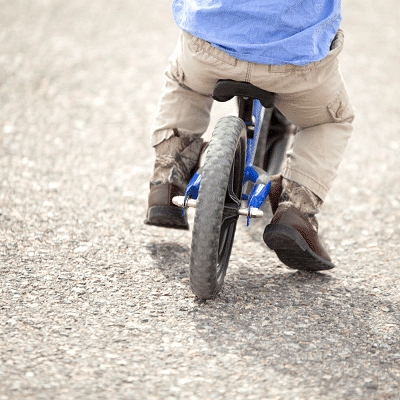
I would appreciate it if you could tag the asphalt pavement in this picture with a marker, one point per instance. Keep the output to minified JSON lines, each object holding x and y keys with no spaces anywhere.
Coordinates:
{"x":96,"y":305}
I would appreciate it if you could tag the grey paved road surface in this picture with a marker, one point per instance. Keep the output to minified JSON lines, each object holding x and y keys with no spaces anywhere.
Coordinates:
{"x":95,"y":305}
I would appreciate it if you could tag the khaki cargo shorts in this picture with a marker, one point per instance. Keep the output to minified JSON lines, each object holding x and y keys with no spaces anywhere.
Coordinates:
{"x":312,"y":96}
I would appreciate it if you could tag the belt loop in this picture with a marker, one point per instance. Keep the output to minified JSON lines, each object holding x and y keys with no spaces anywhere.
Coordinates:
{"x":250,"y":68}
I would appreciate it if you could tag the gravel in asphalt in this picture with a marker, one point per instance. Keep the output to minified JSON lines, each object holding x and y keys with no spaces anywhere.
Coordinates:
{"x":96,"y":305}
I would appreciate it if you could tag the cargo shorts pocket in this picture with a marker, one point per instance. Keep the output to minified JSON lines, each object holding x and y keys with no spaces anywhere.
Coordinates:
{"x":341,"y":109}
{"x":174,"y":70}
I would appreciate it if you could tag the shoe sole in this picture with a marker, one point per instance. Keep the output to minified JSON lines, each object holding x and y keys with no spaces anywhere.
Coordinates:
{"x":292,"y":249}
{"x":167,"y":217}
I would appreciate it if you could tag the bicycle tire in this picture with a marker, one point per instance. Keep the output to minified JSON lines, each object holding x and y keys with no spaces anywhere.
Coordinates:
{"x":219,"y":196}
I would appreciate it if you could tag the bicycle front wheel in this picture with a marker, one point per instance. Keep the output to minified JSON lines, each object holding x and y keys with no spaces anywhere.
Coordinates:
{"x":217,"y":207}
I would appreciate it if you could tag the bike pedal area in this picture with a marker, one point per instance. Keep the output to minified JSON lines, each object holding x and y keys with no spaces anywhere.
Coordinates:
{"x":254,"y":200}
{"x":250,"y":212}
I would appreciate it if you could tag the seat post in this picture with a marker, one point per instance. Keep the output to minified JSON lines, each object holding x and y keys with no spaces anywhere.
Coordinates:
{"x":246,"y":109}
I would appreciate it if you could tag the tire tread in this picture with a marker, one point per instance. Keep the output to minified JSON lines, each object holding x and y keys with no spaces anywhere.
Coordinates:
{"x":210,"y":204}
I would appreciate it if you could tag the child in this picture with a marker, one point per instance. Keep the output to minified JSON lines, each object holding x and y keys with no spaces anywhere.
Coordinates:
{"x":288,"y":47}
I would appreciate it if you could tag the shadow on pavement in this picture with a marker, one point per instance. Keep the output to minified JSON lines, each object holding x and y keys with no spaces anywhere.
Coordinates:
{"x":305,"y":327}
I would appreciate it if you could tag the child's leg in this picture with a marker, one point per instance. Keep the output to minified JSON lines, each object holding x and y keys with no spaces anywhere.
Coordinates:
{"x":182,"y":117}
{"x":177,"y":149}
{"x":314,"y":98}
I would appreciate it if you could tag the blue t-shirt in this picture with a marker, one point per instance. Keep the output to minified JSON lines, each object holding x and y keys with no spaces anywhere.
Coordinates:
{"x":263,"y":31}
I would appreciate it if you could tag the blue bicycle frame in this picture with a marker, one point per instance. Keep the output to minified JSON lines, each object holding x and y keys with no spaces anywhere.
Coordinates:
{"x":256,"y":175}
